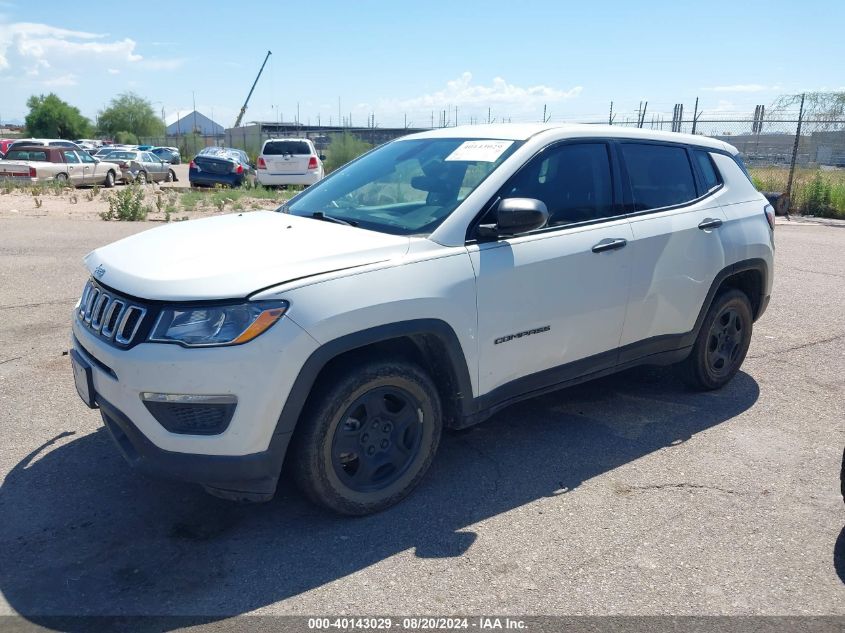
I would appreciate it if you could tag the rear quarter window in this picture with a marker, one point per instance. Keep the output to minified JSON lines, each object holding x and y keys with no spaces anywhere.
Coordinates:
{"x":24,"y":155}
{"x":660,"y":175}
{"x":278,"y":148}
{"x":709,"y":175}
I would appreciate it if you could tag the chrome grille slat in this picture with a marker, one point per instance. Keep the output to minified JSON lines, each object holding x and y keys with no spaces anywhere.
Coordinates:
{"x":116,"y":306}
{"x":121,"y":329}
{"x":110,"y":316}
{"x":89,"y":308}
{"x":100,"y":309}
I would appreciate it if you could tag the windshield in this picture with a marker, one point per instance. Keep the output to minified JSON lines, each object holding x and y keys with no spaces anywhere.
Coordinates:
{"x":405,"y":187}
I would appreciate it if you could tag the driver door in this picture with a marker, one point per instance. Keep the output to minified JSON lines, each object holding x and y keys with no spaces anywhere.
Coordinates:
{"x":75,"y":173}
{"x":551,"y":303}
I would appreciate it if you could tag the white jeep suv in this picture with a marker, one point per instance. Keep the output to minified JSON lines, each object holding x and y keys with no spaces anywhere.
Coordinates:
{"x":289,"y":161}
{"x":425,"y":285}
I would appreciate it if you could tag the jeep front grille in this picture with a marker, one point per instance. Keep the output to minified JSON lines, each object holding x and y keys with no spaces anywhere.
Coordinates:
{"x":110,"y":316}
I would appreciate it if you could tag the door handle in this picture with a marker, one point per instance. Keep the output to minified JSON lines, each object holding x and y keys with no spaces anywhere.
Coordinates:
{"x":710,"y":223}
{"x":609,"y":244}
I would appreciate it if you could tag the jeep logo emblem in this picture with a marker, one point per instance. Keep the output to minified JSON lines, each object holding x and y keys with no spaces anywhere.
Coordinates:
{"x":99,"y":271}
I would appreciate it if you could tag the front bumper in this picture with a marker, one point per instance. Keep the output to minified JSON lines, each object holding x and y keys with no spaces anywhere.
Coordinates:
{"x":247,"y":456}
{"x":241,"y":477}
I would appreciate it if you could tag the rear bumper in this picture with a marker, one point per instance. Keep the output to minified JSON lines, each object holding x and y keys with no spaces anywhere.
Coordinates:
{"x":266,"y":177}
{"x":253,"y":477}
{"x":196,"y":177}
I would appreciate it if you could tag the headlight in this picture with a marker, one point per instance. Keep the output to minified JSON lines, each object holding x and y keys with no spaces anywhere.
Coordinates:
{"x":210,"y":325}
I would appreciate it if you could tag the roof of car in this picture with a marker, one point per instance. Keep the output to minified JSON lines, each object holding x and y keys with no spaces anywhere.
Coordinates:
{"x":524,"y":131}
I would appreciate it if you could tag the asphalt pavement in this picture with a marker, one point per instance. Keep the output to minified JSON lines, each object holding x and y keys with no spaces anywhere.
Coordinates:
{"x":630,"y":495}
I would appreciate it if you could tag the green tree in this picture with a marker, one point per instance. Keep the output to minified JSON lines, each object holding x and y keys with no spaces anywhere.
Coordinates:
{"x":131,"y":113}
{"x":51,"y":117}
{"x":344,"y":148}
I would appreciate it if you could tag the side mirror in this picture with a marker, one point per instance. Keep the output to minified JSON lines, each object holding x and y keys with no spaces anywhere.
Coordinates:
{"x":96,"y":160}
{"x":322,"y":157}
{"x":515,"y":216}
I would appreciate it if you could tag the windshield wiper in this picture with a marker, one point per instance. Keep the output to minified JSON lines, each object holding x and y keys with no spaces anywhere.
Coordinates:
{"x":319,"y":215}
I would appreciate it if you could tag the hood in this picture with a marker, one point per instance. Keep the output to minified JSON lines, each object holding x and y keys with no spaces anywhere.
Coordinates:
{"x":232,"y":256}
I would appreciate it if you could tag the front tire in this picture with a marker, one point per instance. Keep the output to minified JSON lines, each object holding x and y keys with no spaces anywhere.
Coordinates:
{"x":109,"y":183}
{"x":367,"y":439}
{"x":721,"y":344}
{"x":141,"y":178}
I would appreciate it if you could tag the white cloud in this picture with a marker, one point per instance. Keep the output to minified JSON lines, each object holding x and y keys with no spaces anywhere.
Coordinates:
{"x":162,"y":64}
{"x":63,"y":80}
{"x":51,"y":55}
{"x":499,"y":94}
{"x":742,"y":88}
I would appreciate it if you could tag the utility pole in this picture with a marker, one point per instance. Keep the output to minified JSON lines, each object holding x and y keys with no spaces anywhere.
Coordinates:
{"x":610,"y":116}
{"x":695,"y":116}
{"x":794,"y":158}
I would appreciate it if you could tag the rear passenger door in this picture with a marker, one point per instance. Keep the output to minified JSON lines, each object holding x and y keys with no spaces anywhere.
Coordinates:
{"x":676,"y":251}
{"x":551,"y":303}
{"x":89,"y":168}
{"x":75,"y":173}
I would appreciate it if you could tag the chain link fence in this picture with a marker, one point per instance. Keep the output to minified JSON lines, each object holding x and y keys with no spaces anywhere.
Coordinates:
{"x":800,"y":157}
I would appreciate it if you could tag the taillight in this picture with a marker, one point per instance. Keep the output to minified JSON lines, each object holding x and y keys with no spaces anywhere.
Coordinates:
{"x":32,"y":172}
{"x":770,"y":215}
{"x":261,"y":163}
{"x":192,"y":165}
{"x":312,"y":162}
{"x":239,"y":169}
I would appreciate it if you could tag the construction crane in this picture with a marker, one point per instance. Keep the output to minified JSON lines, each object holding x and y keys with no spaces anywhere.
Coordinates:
{"x":243,"y":107}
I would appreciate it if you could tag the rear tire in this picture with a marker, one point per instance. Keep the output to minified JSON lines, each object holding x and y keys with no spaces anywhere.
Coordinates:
{"x":109,"y":183}
{"x":141,"y":178}
{"x":171,"y":175}
{"x":721,"y":344}
{"x":367,"y":439}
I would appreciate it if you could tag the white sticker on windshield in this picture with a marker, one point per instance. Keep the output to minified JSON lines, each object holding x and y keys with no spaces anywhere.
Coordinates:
{"x":486,"y":151}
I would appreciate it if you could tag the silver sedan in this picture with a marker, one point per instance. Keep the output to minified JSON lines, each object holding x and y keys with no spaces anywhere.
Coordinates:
{"x":141,"y":167}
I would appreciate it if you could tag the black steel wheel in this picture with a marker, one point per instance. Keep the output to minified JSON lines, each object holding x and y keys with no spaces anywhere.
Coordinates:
{"x":367,"y":437}
{"x":722,"y":342}
{"x":377,"y":439}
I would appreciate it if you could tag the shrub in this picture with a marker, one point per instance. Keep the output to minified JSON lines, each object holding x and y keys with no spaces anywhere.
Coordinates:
{"x":344,"y":148}
{"x":125,"y":138}
{"x":126,"y":204}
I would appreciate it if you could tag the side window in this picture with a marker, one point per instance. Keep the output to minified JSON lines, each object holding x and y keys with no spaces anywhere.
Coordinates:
{"x":70,"y":156}
{"x":86,"y":157}
{"x":708,"y":170}
{"x":661,"y":175}
{"x":574,"y":181}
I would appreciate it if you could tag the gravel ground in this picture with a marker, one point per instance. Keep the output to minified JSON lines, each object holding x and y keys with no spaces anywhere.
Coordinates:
{"x":629,"y":495}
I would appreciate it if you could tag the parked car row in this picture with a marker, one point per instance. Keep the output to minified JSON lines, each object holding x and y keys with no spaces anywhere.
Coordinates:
{"x":281,"y":162}
{"x":36,"y":163}
{"x":32,"y":162}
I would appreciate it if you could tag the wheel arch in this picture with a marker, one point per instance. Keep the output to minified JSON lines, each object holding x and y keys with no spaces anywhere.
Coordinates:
{"x":749,"y":275}
{"x":431,"y":343}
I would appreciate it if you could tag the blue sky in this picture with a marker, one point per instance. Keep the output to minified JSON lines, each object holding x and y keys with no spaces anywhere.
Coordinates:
{"x":399,"y":59}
